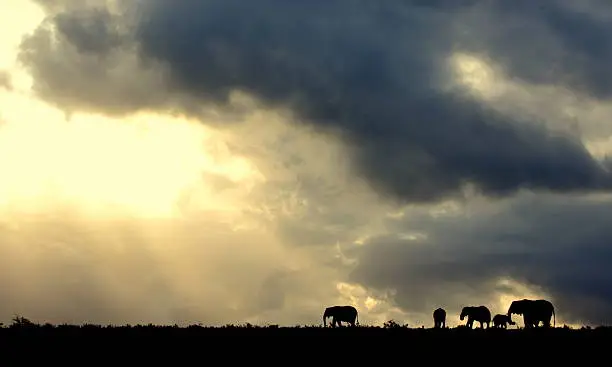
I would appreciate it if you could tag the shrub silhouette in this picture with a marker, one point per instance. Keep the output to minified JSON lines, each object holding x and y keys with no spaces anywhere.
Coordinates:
{"x":22,"y":322}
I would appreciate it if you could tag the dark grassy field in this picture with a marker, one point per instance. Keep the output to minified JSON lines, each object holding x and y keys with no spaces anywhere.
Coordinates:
{"x":23,"y":328}
{"x":254,"y":341}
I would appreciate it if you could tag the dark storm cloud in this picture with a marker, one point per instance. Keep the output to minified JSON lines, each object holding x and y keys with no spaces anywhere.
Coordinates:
{"x":560,"y":244}
{"x":556,"y":43}
{"x":377,"y":73}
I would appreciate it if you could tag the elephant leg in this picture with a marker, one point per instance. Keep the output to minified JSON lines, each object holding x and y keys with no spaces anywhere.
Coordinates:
{"x":547,"y":323}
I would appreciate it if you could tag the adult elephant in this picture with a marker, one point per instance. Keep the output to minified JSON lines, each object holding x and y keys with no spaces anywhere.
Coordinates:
{"x":534,"y":312}
{"x":476,"y":313}
{"x":339,"y":314}
{"x":439,"y":316}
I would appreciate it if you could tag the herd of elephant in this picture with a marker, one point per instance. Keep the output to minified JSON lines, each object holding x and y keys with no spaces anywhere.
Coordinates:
{"x":534,"y":312}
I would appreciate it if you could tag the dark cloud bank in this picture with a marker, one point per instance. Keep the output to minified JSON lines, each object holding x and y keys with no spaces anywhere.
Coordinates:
{"x":558,"y":244}
{"x":376,"y":73}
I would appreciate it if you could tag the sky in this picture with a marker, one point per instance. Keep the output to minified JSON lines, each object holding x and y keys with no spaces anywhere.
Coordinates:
{"x":223,"y":162}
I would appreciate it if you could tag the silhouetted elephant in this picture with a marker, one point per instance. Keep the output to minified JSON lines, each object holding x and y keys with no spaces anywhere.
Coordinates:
{"x":533,"y":312}
{"x":502,"y":321}
{"x":439,"y":316}
{"x":476,"y":313}
{"x":339,"y":314}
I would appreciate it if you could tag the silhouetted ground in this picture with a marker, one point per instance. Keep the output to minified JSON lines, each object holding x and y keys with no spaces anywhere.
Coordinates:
{"x":269,"y":342}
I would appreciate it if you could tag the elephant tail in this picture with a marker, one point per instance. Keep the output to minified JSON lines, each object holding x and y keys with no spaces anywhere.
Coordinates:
{"x":554,"y":318}
{"x":357,"y":319}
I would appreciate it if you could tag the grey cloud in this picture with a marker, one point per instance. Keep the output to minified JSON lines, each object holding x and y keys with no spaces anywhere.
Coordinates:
{"x":309,"y":196}
{"x":375,"y":73}
{"x":560,"y":244}
{"x":85,"y":59}
{"x":90,"y":31}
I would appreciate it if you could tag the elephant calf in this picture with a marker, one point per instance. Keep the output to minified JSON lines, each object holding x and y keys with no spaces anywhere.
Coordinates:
{"x":502,"y":321}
